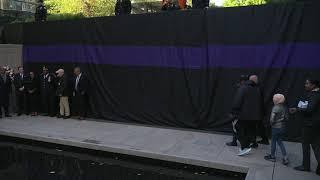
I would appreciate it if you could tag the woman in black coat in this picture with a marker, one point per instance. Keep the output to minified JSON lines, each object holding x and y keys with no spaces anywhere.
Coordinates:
{"x":32,"y":87}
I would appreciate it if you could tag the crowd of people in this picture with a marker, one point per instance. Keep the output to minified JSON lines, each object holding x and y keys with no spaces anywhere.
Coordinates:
{"x":247,"y":117}
{"x":51,"y":94}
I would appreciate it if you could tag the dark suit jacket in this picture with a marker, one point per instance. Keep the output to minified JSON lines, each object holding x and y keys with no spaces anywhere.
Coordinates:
{"x":32,"y":85}
{"x":312,"y":113}
{"x":83,"y":85}
{"x":47,"y":84}
{"x":62,"y":86}
{"x":19,"y":82}
{"x":248,"y":102}
{"x":5,"y":89}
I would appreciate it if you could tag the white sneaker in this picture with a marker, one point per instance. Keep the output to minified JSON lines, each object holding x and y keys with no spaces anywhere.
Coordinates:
{"x":244,"y":151}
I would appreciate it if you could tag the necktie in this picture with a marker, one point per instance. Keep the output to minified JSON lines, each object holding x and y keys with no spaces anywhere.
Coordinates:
{"x":4,"y":77}
{"x":44,"y":81}
{"x":77,"y":81}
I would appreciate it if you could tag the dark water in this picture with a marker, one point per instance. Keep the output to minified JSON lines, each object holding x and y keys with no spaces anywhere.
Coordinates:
{"x":30,"y":160}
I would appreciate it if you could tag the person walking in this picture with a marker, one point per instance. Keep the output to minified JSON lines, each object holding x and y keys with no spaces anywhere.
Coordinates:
{"x":246,"y":109}
{"x":242,"y":81}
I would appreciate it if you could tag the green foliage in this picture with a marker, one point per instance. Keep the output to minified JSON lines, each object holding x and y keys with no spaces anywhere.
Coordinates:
{"x":104,"y":7}
{"x":64,"y":6}
{"x":280,"y":1}
{"x":74,"y":9}
{"x":232,"y":3}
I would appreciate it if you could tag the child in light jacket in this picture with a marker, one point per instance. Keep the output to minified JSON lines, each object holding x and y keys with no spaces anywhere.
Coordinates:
{"x":278,"y":119}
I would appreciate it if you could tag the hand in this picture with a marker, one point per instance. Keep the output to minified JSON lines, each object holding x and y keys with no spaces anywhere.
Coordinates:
{"x":292,"y":110}
{"x":21,"y":89}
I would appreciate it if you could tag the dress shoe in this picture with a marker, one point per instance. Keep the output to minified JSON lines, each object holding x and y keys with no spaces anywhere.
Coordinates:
{"x":232,"y":143}
{"x":285,"y":161}
{"x":302,"y":168}
{"x":254,"y":145}
{"x":265,"y":142}
{"x":270,"y":158}
{"x":19,"y":114}
{"x":66,"y":117}
{"x":59,"y":116}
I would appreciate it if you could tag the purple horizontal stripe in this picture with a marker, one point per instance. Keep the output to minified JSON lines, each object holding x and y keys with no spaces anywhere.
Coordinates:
{"x":296,"y":55}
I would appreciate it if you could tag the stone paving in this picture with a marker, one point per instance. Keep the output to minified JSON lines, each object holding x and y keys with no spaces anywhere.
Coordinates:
{"x":184,"y":146}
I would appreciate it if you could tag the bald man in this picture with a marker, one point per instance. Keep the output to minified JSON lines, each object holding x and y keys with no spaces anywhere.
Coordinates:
{"x":254,"y":78}
{"x":63,"y":94}
{"x":261,"y":128}
{"x":247,"y":109}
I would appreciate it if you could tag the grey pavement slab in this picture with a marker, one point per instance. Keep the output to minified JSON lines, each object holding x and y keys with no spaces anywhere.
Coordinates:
{"x":184,"y":146}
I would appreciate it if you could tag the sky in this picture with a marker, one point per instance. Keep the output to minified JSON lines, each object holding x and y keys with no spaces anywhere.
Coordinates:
{"x":217,"y":2}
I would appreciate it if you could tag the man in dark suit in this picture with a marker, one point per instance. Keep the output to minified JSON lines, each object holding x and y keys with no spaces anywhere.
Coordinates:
{"x":19,"y":82}
{"x":47,"y":90}
{"x":80,"y":93}
{"x":5,"y":88}
{"x":310,"y":109}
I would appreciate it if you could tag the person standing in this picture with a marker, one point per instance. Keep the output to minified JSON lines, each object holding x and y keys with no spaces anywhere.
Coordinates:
{"x":278,"y":120}
{"x":12,"y":96}
{"x":47,"y":91}
{"x":310,"y":110}
{"x":19,"y":83}
{"x":5,"y":88}
{"x":80,"y":93}
{"x":258,"y":122}
{"x":32,"y":89}
{"x":246,"y":109}
{"x":62,"y":93}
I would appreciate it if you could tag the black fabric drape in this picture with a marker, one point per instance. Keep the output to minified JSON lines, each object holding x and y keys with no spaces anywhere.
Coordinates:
{"x":179,"y":68}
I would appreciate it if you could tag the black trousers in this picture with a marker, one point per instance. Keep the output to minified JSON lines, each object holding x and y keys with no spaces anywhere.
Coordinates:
{"x":263,"y":131}
{"x":21,"y":102}
{"x":246,"y":132}
{"x":4,"y":104}
{"x":310,"y":138}
{"x":32,"y":103}
{"x":49,"y":103}
{"x":79,"y":102}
